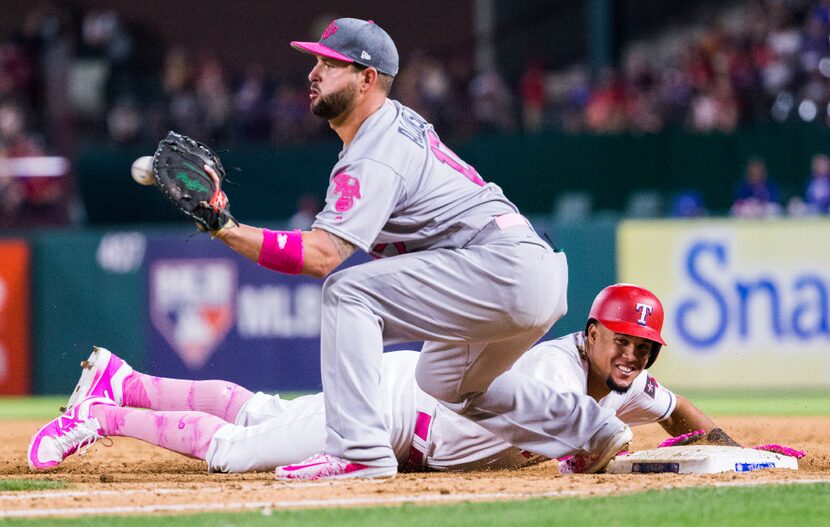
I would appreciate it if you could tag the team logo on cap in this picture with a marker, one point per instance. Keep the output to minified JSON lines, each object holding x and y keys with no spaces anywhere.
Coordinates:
{"x":645,"y":310}
{"x":330,"y":30}
{"x":349,"y":189}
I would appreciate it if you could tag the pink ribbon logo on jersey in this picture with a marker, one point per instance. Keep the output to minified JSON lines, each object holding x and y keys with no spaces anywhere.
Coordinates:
{"x":349,"y":189}
{"x":330,"y":30}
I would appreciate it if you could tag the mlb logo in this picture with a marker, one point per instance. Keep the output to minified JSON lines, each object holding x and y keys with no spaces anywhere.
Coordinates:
{"x":193,"y":305}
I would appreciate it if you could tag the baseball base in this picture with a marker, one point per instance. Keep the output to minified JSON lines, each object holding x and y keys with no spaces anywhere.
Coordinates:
{"x":699,"y":459}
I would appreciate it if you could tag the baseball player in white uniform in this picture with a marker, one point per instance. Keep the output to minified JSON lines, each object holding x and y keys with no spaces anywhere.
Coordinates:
{"x":235,"y":430}
{"x":468,"y":276}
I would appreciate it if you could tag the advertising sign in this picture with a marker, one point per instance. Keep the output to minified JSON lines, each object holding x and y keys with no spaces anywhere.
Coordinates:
{"x":746,"y":302}
{"x":214,"y":314}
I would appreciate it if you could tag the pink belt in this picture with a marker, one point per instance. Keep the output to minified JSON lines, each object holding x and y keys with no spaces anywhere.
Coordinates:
{"x":505,"y":221}
{"x":420,"y":444}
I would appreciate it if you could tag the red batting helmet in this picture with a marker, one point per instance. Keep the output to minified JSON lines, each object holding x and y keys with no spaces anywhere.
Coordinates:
{"x":631,"y":310}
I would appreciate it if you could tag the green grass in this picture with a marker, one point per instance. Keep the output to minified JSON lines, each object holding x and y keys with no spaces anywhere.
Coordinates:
{"x":30,"y":484}
{"x":762,"y":506}
{"x":795,"y":402}
{"x":38,"y":407}
{"x":772,"y":402}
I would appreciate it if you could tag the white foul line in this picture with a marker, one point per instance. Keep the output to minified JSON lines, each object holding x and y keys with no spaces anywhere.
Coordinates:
{"x":366,"y":501}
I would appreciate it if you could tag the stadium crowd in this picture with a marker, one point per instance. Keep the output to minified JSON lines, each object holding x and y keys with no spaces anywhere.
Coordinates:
{"x":765,"y":60}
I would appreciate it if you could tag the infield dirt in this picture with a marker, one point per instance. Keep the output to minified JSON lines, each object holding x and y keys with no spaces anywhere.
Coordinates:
{"x":137,"y":476}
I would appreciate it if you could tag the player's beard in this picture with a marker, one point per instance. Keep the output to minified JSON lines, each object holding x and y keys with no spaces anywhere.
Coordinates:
{"x":330,"y":106}
{"x":616,"y":387}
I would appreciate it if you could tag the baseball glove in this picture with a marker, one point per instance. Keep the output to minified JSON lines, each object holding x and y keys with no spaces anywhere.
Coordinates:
{"x":178,"y":166}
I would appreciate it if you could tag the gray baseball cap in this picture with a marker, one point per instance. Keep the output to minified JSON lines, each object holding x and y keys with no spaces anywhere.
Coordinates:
{"x":355,"y":40}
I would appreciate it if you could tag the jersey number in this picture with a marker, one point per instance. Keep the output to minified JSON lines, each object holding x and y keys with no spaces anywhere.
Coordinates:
{"x":448,"y":157}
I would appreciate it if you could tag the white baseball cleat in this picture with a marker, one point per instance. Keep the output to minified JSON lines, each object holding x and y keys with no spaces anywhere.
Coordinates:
{"x":76,"y":429}
{"x":325,"y":466}
{"x":102,"y":376}
{"x":601,"y":456}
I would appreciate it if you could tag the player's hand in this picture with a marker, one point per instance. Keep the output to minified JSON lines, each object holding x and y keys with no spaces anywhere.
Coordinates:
{"x":684,"y":439}
{"x":781,"y":449}
{"x":190,"y":174}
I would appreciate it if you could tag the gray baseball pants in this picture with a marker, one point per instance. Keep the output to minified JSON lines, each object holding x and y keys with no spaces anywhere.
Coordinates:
{"x":478,"y":309}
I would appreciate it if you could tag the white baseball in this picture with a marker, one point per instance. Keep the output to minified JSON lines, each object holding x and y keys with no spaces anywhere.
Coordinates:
{"x":142,"y":171}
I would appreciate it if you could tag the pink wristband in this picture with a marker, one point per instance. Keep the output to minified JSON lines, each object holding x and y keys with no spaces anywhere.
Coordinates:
{"x":282,"y":251}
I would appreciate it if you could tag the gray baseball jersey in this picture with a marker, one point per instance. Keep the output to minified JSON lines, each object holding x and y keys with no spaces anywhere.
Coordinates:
{"x":398,"y":189}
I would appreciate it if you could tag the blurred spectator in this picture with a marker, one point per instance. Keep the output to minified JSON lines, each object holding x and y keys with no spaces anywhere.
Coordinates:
{"x":817,"y":196}
{"x":757,"y":197}
{"x":492,"y":102}
{"x":250,"y":103}
{"x":11,"y":193}
{"x":605,"y":111}
{"x":688,"y":204}
{"x":307,"y":208}
{"x":213,"y":97}
{"x":532,"y":93}
{"x":124,"y":122}
{"x":36,"y":198}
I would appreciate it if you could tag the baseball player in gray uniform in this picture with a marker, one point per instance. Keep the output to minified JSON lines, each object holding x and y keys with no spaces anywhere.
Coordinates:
{"x":235,"y":430}
{"x":468,"y":276}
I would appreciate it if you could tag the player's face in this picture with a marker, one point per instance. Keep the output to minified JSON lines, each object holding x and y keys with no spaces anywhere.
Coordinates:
{"x":616,"y":357}
{"x":333,"y":88}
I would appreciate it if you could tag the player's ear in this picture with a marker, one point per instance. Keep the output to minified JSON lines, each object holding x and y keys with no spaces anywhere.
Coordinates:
{"x":368,"y":78}
{"x":592,"y":331}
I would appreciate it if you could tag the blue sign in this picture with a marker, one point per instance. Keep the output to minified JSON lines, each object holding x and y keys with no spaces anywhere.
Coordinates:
{"x":216,"y":315}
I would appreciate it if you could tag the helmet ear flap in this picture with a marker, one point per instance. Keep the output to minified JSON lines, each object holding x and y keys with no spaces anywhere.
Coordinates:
{"x":655,"y":350}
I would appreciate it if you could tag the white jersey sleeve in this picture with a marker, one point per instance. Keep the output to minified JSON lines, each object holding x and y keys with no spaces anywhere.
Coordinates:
{"x":645,"y":402}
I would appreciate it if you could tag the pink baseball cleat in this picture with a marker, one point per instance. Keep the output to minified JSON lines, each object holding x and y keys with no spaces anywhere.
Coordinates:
{"x":102,"y":376}
{"x":76,"y":429}
{"x":595,"y":462}
{"x":325,"y":466}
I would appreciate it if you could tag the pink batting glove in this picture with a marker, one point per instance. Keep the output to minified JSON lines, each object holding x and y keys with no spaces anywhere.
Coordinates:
{"x":682,"y":439}
{"x":780,"y":449}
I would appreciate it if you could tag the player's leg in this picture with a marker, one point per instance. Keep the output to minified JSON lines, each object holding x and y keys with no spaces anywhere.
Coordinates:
{"x":292,"y":431}
{"x":186,"y":432}
{"x":288,"y":432}
{"x":222,"y":399}
{"x":351,"y":349}
{"x":105,"y":374}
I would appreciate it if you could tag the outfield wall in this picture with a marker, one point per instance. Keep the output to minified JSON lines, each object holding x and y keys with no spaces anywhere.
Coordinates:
{"x":746,"y":302}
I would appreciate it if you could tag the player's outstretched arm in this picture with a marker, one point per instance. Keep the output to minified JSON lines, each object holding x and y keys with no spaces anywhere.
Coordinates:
{"x":687,"y":418}
{"x":321,"y":251}
{"x":314,"y":253}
